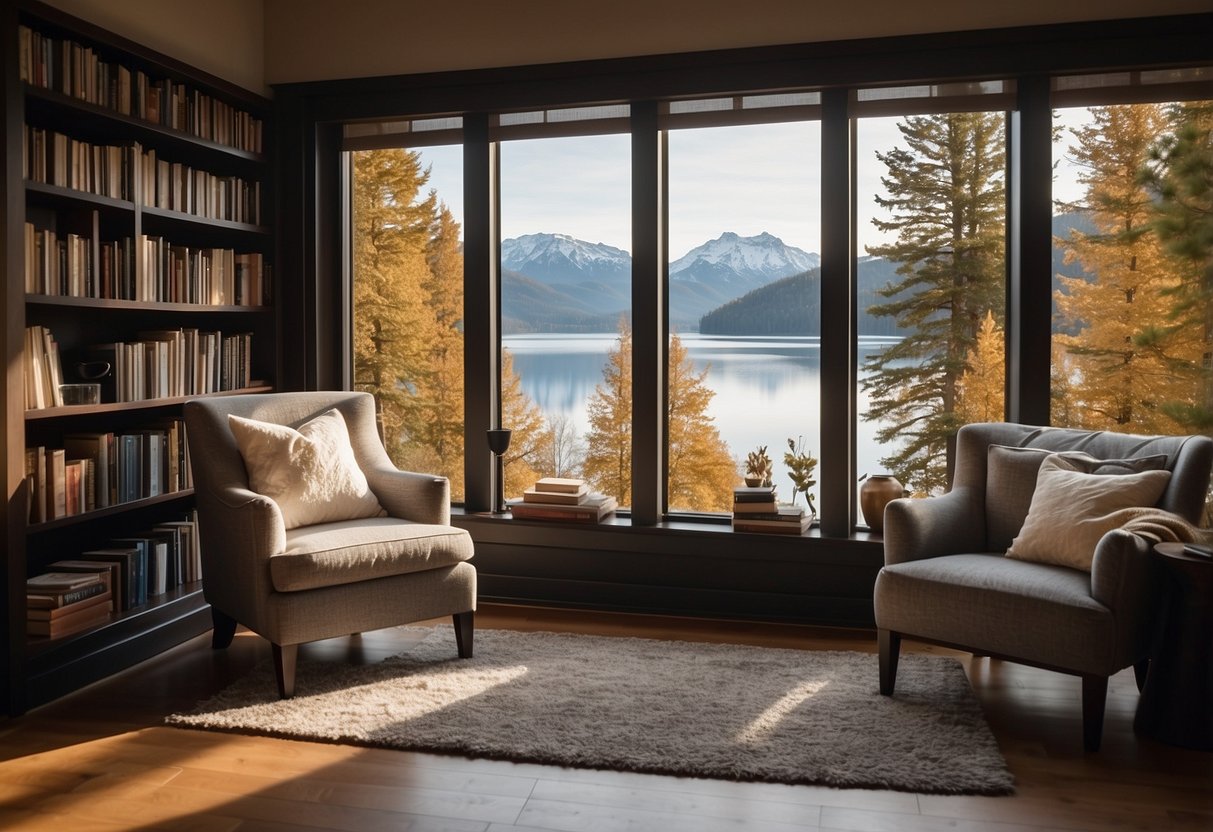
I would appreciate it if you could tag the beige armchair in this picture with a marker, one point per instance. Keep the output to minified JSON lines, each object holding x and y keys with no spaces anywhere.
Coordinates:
{"x":946,"y":579}
{"x":332,"y":578}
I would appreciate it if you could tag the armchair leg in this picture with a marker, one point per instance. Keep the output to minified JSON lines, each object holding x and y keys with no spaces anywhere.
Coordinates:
{"x":889,"y":643}
{"x":284,"y":668}
{"x":1094,"y":697}
{"x":464,"y":627}
{"x":224,"y":629}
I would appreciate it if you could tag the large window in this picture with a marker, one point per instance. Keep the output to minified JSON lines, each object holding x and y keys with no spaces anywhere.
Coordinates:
{"x":1133,"y":297}
{"x":565,"y":311}
{"x":931,"y":281}
{"x":407,"y":288}
{"x":744,"y":306}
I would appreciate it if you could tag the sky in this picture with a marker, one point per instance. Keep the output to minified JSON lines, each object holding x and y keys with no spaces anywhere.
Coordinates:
{"x":747,"y":179}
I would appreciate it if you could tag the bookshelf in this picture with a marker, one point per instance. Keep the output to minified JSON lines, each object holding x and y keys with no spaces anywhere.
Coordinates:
{"x":138,"y":212}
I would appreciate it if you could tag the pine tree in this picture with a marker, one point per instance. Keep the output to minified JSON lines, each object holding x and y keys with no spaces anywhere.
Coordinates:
{"x":1123,"y":375}
{"x":702,"y":472}
{"x":946,"y":199}
{"x":608,"y":456}
{"x":1180,"y":172}
{"x":392,"y":324}
{"x":982,"y":394}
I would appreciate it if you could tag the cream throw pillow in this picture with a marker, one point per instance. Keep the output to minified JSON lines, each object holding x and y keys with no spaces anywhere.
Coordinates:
{"x":311,"y":473}
{"x":1071,"y":510}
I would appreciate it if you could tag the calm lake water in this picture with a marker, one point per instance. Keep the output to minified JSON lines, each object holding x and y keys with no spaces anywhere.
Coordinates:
{"x":767,"y":388}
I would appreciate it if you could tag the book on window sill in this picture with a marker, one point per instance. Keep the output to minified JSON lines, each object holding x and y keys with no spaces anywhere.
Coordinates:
{"x":592,"y":511}
{"x":562,"y":485}
{"x":754,"y":494}
{"x":782,"y":514}
{"x":767,"y":507}
{"x":773,"y":526}
{"x":572,"y":498}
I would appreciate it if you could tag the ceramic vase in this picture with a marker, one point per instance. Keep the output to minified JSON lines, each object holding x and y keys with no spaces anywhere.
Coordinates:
{"x":876,"y":493}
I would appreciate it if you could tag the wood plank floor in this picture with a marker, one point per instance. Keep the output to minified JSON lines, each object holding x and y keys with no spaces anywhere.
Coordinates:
{"x":101,"y":759}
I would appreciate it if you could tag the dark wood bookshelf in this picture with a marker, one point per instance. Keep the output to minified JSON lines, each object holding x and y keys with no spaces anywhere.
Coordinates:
{"x":40,"y":669}
{"x":142,"y":404}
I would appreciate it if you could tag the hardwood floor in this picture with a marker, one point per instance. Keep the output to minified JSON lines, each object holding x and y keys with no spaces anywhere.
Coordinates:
{"x":101,"y":759}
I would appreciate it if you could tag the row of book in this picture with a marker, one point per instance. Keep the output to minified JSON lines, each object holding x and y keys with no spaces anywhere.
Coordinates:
{"x":97,"y":470}
{"x":53,"y":158}
{"x":174,"y":186}
{"x":82,"y":591}
{"x":562,"y":499}
{"x":757,"y":509}
{"x":168,"y":363}
{"x":64,"y":266}
{"x":76,"y":70}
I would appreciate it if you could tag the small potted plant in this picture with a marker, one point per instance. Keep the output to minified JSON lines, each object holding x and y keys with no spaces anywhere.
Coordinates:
{"x":801,"y":465}
{"x":758,"y":468}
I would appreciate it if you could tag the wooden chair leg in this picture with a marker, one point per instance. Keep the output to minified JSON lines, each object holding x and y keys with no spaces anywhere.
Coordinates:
{"x":224,"y":629}
{"x":464,"y":627}
{"x":889,"y":643}
{"x":1094,"y":697}
{"x":284,"y":668}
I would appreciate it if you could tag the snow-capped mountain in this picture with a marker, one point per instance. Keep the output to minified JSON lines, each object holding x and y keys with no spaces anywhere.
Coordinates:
{"x":559,"y":258}
{"x":754,"y":261}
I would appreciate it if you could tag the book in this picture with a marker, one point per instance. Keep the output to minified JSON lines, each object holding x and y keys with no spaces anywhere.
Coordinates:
{"x":764,"y":507}
{"x":572,"y":498}
{"x":592,"y":511}
{"x":754,"y":494}
{"x":773,"y":526}
{"x":782,"y":514}
{"x":68,"y":624}
{"x":108,"y":571}
{"x":126,"y":591}
{"x":40,"y":600}
{"x":104,"y":598}
{"x":58,"y":581}
{"x":561,"y":485}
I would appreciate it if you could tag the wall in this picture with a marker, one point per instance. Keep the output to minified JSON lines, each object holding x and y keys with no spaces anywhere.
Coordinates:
{"x":308,"y":40}
{"x":222,"y":37}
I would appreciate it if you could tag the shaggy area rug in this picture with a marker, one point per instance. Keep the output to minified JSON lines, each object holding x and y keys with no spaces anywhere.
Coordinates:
{"x":669,"y":707}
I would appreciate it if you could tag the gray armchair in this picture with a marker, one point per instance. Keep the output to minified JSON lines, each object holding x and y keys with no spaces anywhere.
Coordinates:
{"x":329,"y":579}
{"x":946,"y":579}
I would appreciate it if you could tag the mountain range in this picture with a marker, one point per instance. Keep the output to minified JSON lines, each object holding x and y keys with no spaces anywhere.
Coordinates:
{"x":734,"y":284}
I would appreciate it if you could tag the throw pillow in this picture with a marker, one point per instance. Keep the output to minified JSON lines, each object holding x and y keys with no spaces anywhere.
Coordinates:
{"x":1011,"y":480}
{"x":1070,"y":511}
{"x":311,"y":473}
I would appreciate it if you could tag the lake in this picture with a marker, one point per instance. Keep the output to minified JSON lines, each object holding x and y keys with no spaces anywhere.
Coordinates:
{"x":767,"y":388}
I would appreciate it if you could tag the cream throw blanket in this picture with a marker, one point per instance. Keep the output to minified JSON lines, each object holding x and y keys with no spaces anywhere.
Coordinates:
{"x":1158,"y":525}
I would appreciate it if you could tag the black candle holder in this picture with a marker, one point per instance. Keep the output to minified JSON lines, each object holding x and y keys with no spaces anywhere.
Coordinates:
{"x":499,"y":443}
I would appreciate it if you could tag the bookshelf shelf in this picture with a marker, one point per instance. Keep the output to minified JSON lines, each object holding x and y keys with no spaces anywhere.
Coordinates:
{"x":142,"y":404}
{"x":83,"y":243}
{"x":108,"y":511}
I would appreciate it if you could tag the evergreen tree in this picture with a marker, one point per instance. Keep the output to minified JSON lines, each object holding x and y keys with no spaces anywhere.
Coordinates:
{"x":1180,"y":173}
{"x":946,"y":199}
{"x":1126,"y":366}
{"x":982,"y":394}
{"x":608,"y":456}
{"x":392,"y":323}
{"x":702,"y":472}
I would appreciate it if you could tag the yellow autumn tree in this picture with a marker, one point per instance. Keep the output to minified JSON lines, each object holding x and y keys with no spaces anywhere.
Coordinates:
{"x":1117,"y":383}
{"x":392,"y":323}
{"x":530,"y":441}
{"x":981,"y":396}
{"x":702,"y":472}
{"x":608,"y":457}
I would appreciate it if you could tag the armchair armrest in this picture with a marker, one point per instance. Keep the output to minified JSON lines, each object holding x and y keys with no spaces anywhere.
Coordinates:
{"x":422,"y":498}
{"x":1125,"y":579}
{"x":924,"y":528}
{"x":240,"y":530}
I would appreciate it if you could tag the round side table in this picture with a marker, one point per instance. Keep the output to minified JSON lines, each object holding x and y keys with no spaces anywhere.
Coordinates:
{"x":1176,"y":706}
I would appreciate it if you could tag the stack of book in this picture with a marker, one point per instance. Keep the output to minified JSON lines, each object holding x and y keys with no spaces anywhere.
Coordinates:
{"x":756,"y":509}
{"x":61,"y":603}
{"x":563,"y":499}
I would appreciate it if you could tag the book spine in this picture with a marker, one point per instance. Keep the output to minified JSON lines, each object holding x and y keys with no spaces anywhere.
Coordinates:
{"x":62,"y":599}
